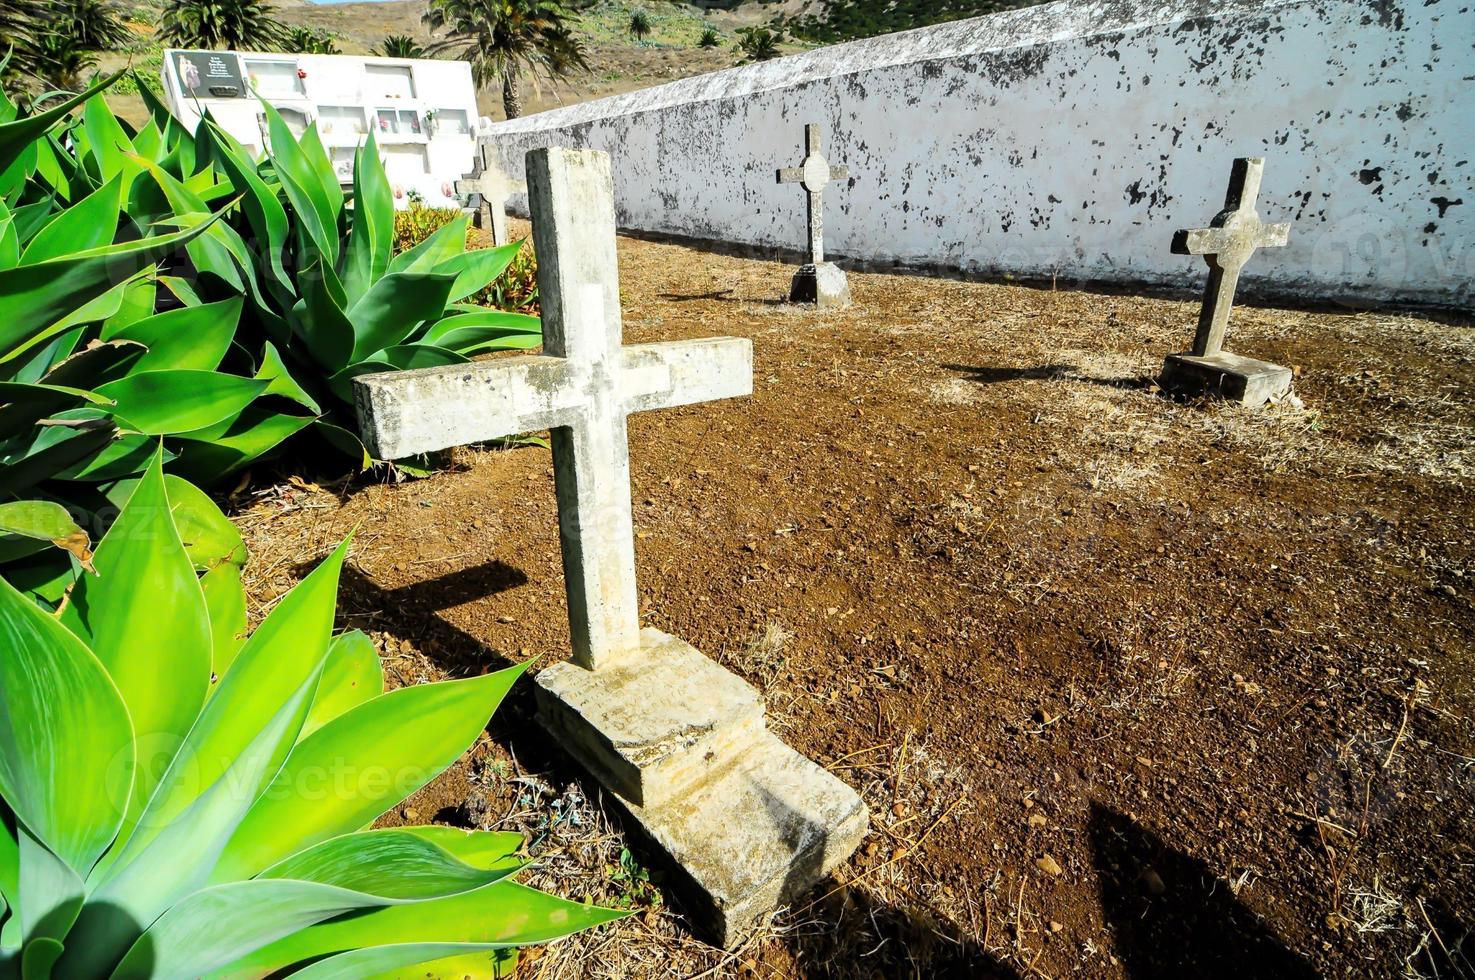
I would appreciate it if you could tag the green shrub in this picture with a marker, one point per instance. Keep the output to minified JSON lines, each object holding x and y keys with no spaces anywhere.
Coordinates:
{"x":181,"y":799}
{"x":417,"y":222}
{"x":640,"y":25}
{"x":759,"y":43}
{"x":709,"y":38}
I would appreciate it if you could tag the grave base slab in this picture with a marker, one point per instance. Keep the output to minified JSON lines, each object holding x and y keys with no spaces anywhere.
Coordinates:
{"x":823,"y":285}
{"x":745,"y":823}
{"x":1243,"y":380}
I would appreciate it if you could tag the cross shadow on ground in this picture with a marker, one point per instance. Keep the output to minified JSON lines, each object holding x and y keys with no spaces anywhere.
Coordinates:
{"x":984,"y":375}
{"x":1172,"y":918}
{"x":409,"y":612}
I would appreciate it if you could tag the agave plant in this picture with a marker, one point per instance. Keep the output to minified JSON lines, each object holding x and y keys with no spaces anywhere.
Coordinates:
{"x":333,"y":295}
{"x":180,"y":800}
{"x":161,"y":283}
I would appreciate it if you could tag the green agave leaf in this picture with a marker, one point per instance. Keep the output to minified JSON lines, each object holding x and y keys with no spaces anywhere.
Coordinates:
{"x":34,"y":299}
{"x":214,"y":926}
{"x":476,"y":269}
{"x":390,"y":864}
{"x":352,"y":675}
{"x":433,"y":725}
{"x":64,"y":725}
{"x":210,"y":539}
{"x":9,"y":240}
{"x":44,"y":520}
{"x":304,"y":189}
{"x":443,"y":244}
{"x":402,"y":358}
{"x":346,"y":442}
{"x":393,"y":307}
{"x":51,"y":892}
{"x":111,"y":150}
{"x":286,"y":650}
{"x":371,"y":236}
{"x":39,"y":957}
{"x":17,"y":135}
{"x":90,"y":223}
{"x":500,"y":914}
{"x":479,"y":848}
{"x":161,"y":865}
{"x":165,"y":402}
{"x":125,"y":456}
{"x":138,"y":302}
{"x":95,"y":364}
{"x":52,"y":453}
{"x":321,"y":323}
{"x":225,"y":601}
{"x":322,"y":166}
{"x":264,"y":212}
{"x":483,"y":322}
{"x":31,"y":218}
{"x":189,"y":338}
{"x":214,"y":252}
{"x":207,"y":455}
{"x":24,"y":404}
{"x":9,"y":862}
{"x":280,"y":381}
{"x":144,"y":617}
{"x":495,"y":964}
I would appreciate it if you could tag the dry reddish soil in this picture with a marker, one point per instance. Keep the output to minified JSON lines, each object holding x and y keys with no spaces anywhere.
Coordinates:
{"x":1133,"y":687}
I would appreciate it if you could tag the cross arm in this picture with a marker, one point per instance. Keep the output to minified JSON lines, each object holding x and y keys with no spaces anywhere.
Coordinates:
{"x":790,"y":175}
{"x":1273,"y":236}
{"x":839,"y":173}
{"x":686,"y":372}
{"x":405,"y":413}
{"x":1200,"y":241}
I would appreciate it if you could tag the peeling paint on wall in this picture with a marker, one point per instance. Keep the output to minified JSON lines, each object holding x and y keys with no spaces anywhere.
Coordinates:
{"x":1070,"y":140}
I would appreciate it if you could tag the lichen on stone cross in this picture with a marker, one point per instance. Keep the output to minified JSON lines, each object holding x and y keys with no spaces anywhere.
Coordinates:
{"x":581,"y":388}
{"x":1226,"y":246}
{"x":814,"y":173}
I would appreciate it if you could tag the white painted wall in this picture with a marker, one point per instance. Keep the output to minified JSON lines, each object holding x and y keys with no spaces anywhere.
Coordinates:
{"x":1072,"y":139}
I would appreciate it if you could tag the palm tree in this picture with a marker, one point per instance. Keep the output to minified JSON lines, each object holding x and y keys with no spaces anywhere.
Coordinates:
{"x":759,"y":43}
{"x":95,"y":25}
{"x":61,"y":61}
{"x":503,"y":38}
{"x":241,"y":25}
{"x":400,"y":46}
{"x":640,"y":25}
{"x":22,"y":24}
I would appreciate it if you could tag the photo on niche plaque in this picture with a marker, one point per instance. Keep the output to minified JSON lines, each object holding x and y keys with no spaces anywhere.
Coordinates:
{"x":209,"y":74}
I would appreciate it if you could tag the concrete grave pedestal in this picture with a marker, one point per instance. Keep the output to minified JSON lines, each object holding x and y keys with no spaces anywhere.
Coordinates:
{"x":823,"y":285}
{"x":678,"y":741}
{"x":681,"y":746}
{"x":1226,"y":245}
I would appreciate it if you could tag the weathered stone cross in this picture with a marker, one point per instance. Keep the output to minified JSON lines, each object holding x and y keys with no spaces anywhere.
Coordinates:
{"x":814,"y":173}
{"x":581,"y":388}
{"x":678,"y":741}
{"x":817,"y":281}
{"x":1226,"y":246}
{"x":490,"y":190}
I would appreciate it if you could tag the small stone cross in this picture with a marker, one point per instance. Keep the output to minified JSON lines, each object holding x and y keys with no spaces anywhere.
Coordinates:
{"x":582,"y":388}
{"x":490,"y":192}
{"x":814,"y":173}
{"x":1226,"y":246}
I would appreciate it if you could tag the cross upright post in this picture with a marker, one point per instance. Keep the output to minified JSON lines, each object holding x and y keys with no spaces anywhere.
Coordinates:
{"x":817,"y":281}
{"x":679,"y":741}
{"x":1226,"y":245}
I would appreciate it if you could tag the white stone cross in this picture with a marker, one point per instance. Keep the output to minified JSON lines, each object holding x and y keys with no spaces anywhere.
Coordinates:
{"x":814,"y":173}
{"x":491,"y":187}
{"x":582,"y":388}
{"x":1226,"y":246}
